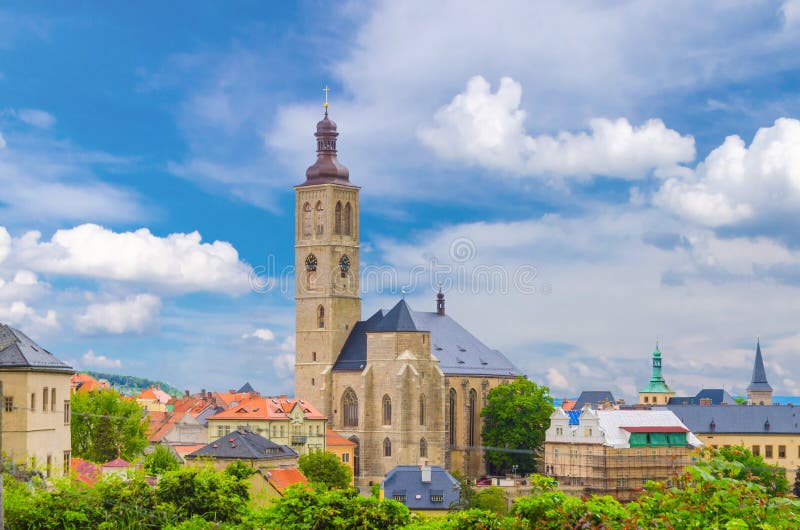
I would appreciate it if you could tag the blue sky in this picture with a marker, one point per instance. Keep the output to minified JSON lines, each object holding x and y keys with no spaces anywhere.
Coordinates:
{"x":614,"y":171}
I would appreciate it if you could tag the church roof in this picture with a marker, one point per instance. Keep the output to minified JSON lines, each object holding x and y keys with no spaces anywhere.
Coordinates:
{"x":759,"y":379}
{"x":718,"y":396}
{"x":17,"y":350}
{"x":247,"y":387}
{"x":458,"y":351}
{"x":593,"y":398}
{"x":740,"y":419}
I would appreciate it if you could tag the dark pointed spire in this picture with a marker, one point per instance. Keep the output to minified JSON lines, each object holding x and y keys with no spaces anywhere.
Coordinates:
{"x":759,"y":379}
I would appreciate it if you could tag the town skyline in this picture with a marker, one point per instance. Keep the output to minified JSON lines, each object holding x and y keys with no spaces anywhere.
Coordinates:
{"x":144,"y":194}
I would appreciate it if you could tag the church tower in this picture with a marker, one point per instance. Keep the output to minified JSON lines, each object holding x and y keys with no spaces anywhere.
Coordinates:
{"x":759,"y":392}
{"x":657,"y":392}
{"x":327,"y":303}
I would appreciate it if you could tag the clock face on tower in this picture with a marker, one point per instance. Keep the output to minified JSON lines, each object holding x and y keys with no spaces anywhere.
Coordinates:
{"x":344,"y":264}
{"x":311,"y":263}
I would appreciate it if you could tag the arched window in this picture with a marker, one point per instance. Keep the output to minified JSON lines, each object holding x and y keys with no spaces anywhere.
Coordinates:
{"x":349,"y":409}
{"x":320,"y":317}
{"x":387,"y":447}
{"x":319,"y":218}
{"x":387,"y":410}
{"x":422,"y":409}
{"x":452,"y":417}
{"x":306,"y":220}
{"x":473,"y":417}
{"x":337,"y":226}
{"x":423,"y":448}
{"x":347,"y":220}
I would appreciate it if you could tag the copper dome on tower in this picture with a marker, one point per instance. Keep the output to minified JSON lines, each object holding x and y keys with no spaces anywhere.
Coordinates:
{"x":327,"y":168}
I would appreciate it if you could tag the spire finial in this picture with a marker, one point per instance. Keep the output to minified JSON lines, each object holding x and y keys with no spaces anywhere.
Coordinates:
{"x":326,"y":90}
{"x":403,"y":292}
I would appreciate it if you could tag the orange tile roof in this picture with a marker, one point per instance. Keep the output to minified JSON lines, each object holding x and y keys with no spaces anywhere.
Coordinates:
{"x":147,"y":393}
{"x":568,"y":404}
{"x":334,"y":439}
{"x":166,"y":425}
{"x":85,"y":471}
{"x":87,"y":383}
{"x":187,"y":449}
{"x":281,"y":478}
{"x":155,"y":394}
{"x":261,"y":408}
{"x":227,"y":399}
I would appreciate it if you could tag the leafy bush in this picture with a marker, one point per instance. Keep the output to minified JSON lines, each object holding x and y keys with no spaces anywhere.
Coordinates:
{"x":160,"y":460}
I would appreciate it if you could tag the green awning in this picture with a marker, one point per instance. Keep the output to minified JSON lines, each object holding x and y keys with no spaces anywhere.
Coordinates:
{"x":638,"y":439}
{"x":658,"y":439}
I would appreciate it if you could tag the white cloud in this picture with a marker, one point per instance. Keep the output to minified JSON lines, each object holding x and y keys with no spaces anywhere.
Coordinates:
{"x":177,"y":263}
{"x":134,"y":314}
{"x":22,"y":315}
{"x":487,"y":129}
{"x":737,"y":184}
{"x":2,"y":142}
{"x":5,"y":243}
{"x":791,"y":13}
{"x":556,"y":379}
{"x":90,"y":360}
{"x":283,"y":361}
{"x":262,"y":334}
{"x":37,"y":118}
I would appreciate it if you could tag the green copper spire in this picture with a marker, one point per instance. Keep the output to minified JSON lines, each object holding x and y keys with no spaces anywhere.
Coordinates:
{"x":657,"y":383}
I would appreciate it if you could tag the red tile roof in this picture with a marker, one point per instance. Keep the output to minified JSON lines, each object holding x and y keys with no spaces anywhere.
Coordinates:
{"x":85,"y":471}
{"x":334,"y":439}
{"x":187,"y":449}
{"x":261,"y":408}
{"x":658,"y":428}
{"x":569,"y":404}
{"x":281,"y":478}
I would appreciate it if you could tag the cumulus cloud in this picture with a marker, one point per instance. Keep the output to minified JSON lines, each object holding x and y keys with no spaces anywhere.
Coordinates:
{"x":479,"y":127}
{"x":20,"y":314}
{"x":37,"y":118}
{"x":283,"y":361}
{"x":737,"y":184}
{"x":134,"y":314}
{"x":90,"y":360}
{"x":262,"y":334}
{"x":177,"y":263}
{"x":556,"y":379}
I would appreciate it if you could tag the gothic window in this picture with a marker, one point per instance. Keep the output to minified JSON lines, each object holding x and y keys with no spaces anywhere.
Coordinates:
{"x":423,"y":448}
{"x":387,"y":447}
{"x":349,"y":409}
{"x":452,"y":413}
{"x":347,"y":220}
{"x":319,"y":218}
{"x":387,"y":410}
{"x":306,"y":220}
{"x":473,"y":419}
{"x":320,"y":317}
{"x":422,"y":409}
{"x":337,"y":226}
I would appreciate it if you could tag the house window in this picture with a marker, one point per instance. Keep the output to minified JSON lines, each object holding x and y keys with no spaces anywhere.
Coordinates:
{"x":645,"y":399}
{"x":282,"y":431}
{"x":422,"y":409}
{"x":781,"y":451}
{"x":756,"y":450}
{"x":387,"y":447}
{"x":767,"y":451}
{"x":220,"y":431}
{"x":423,"y":448}
{"x":67,"y":460}
{"x":52,"y":400}
{"x":587,"y":431}
{"x":399,"y":496}
{"x":559,"y":431}
{"x":33,"y":401}
{"x":67,"y":412}
{"x":349,"y":409}
{"x":387,"y":410}
{"x":227,"y":430}
{"x":345,"y":457}
{"x":44,"y":399}
{"x":9,"y":403}
{"x":437,"y":496}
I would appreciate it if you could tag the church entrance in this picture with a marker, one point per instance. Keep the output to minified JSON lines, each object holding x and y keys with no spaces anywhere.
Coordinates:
{"x":356,"y":456}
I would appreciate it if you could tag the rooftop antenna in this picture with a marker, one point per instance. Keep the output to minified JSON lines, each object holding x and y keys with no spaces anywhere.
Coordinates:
{"x":326,"y":90}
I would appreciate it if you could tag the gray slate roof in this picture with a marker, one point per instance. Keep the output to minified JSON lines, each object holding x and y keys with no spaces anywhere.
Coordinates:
{"x":718,"y":396}
{"x":407,"y":481}
{"x":593,"y":397}
{"x":247,"y":387}
{"x":17,"y":350}
{"x":458,"y":351}
{"x":759,"y":379}
{"x":739,"y":419}
{"x":245,"y":445}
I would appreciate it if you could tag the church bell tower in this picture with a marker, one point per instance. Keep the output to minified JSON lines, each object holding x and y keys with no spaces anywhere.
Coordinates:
{"x":327,"y":303}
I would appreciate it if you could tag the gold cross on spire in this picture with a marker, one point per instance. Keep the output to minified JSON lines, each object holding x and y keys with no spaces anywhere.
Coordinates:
{"x":326,"y":90}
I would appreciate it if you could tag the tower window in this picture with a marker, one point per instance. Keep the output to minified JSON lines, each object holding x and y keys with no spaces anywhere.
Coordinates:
{"x":422,"y":409}
{"x":347,"y":220}
{"x":387,"y":447}
{"x":387,"y":410}
{"x":319,"y":218}
{"x":452,"y":417}
{"x":306,"y":221}
{"x":473,"y":412}
{"x":314,"y":356}
{"x":349,"y":409}
{"x":320,"y":317}
{"x":337,"y":225}
{"x":312,"y":381}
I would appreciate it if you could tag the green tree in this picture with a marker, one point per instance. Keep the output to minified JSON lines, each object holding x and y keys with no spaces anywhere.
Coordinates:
{"x":465,"y":492}
{"x":796,"y":488}
{"x":203,"y":492}
{"x":491,"y":499}
{"x":104,"y":425}
{"x":752,"y":468}
{"x":324,"y":467}
{"x":160,"y":460}
{"x":515,"y":419}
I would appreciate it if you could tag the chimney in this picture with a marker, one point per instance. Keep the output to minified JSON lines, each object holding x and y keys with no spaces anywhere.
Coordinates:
{"x":426,"y":474}
{"x":203,"y":393}
{"x":440,"y":302}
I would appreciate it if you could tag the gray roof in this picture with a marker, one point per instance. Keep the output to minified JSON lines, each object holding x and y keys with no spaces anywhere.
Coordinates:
{"x":458,"y":351}
{"x":739,"y":419}
{"x":759,"y":379}
{"x":407,"y":481}
{"x":593,"y":397}
{"x":718,"y":396}
{"x":247,"y":387}
{"x":17,"y":350}
{"x":244,"y":445}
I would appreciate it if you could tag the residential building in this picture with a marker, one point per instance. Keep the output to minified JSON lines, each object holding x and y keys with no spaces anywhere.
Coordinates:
{"x":428,"y":489}
{"x":615,"y":452}
{"x":657,"y":391}
{"x":286,"y":421}
{"x":596,"y":399}
{"x":185,"y":424}
{"x":759,"y":392}
{"x":403,"y":385}
{"x":36,"y":404}
{"x":154,"y":399}
{"x":707,"y":396}
{"x":343,"y":448}
{"x":86,"y":383}
{"x":246,"y":446}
